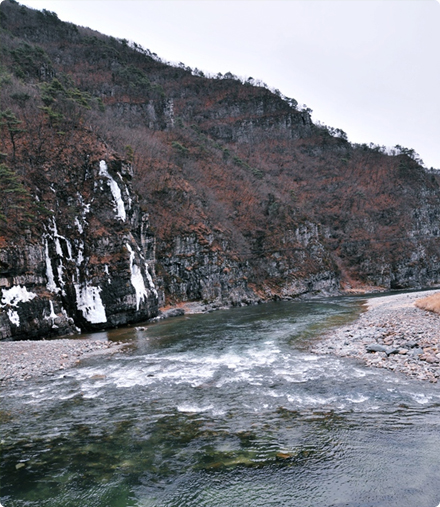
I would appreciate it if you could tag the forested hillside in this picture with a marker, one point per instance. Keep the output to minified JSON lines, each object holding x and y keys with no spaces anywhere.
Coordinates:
{"x":230,"y":193}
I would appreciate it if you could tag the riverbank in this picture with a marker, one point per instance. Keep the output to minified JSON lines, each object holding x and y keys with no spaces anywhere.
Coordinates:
{"x":393,"y":334}
{"x":23,"y":360}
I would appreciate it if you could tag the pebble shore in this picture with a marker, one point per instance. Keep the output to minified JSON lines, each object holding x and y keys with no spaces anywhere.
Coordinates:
{"x":23,"y":360}
{"x":392,"y":334}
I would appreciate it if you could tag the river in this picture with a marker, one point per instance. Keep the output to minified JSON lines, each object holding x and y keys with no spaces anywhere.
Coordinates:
{"x":226,"y":409}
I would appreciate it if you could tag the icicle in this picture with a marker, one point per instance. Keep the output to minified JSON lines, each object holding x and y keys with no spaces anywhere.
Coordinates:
{"x":116,"y":191}
{"x":137,"y":280}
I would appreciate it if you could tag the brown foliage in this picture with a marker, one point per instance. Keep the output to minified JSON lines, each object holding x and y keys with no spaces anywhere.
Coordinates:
{"x":430,"y":303}
{"x":232,"y":163}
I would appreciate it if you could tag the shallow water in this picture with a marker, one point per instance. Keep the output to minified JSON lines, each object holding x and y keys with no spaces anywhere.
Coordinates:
{"x":225,"y":409}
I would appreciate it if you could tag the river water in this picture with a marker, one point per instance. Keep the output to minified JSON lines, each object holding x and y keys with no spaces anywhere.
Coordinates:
{"x":219,"y":410}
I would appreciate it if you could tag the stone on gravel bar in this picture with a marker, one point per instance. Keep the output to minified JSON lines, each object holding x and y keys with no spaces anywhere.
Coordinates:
{"x":374,"y":347}
{"x":392,"y":334}
{"x":22,"y":360}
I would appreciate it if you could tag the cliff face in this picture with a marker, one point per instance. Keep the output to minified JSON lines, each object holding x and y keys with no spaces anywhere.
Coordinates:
{"x":199,"y":267}
{"x":122,"y":174}
{"x":89,"y":263}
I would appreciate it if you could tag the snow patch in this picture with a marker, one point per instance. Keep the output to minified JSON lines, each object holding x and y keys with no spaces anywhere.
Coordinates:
{"x":78,"y":225}
{"x":13,"y":317}
{"x":89,"y":302}
{"x":116,"y":191}
{"x":15,"y":295}
{"x":129,"y":197}
{"x":60,"y":274}
{"x":80,"y":257}
{"x":51,"y":286}
{"x":106,"y":271}
{"x":58,"y":247}
{"x":56,"y":238}
{"x":52,"y":315}
{"x":69,"y":319}
{"x":137,"y":280}
{"x":150,"y":280}
{"x":69,"y":250}
{"x":86,"y":209}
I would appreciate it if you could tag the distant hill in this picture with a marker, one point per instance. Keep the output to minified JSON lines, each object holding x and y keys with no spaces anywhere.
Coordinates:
{"x":232,"y":194}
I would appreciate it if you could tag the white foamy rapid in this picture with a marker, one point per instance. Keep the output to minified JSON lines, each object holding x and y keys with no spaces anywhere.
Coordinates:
{"x":257,"y":377}
{"x":241,"y":369}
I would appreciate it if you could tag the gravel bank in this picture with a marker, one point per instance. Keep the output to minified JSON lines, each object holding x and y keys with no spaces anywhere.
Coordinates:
{"x":392,"y":334}
{"x":22,"y":360}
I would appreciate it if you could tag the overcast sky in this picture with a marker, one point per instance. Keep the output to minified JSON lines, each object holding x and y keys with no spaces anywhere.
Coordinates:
{"x":369,"y":67}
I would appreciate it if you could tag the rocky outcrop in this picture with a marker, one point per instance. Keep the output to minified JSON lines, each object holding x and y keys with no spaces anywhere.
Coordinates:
{"x":201,"y":266}
{"x":196,"y":268}
{"x":91,"y":268}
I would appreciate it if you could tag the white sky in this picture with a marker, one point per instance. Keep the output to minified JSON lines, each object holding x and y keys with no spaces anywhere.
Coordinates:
{"x":369,"y":67}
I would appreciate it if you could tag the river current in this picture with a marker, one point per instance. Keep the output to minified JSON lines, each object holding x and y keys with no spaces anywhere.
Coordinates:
{"x":227,"y":409}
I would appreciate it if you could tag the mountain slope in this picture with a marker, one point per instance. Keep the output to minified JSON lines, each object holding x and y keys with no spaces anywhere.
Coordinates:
{"x":246,"y":198}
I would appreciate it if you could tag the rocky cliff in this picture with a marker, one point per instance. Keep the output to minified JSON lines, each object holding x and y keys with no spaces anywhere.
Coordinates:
{"x":87,"y":261}
{"x":127,"y":182}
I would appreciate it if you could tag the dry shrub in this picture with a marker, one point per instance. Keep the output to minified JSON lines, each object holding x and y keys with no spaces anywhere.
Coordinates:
{"x":430,"y":303}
